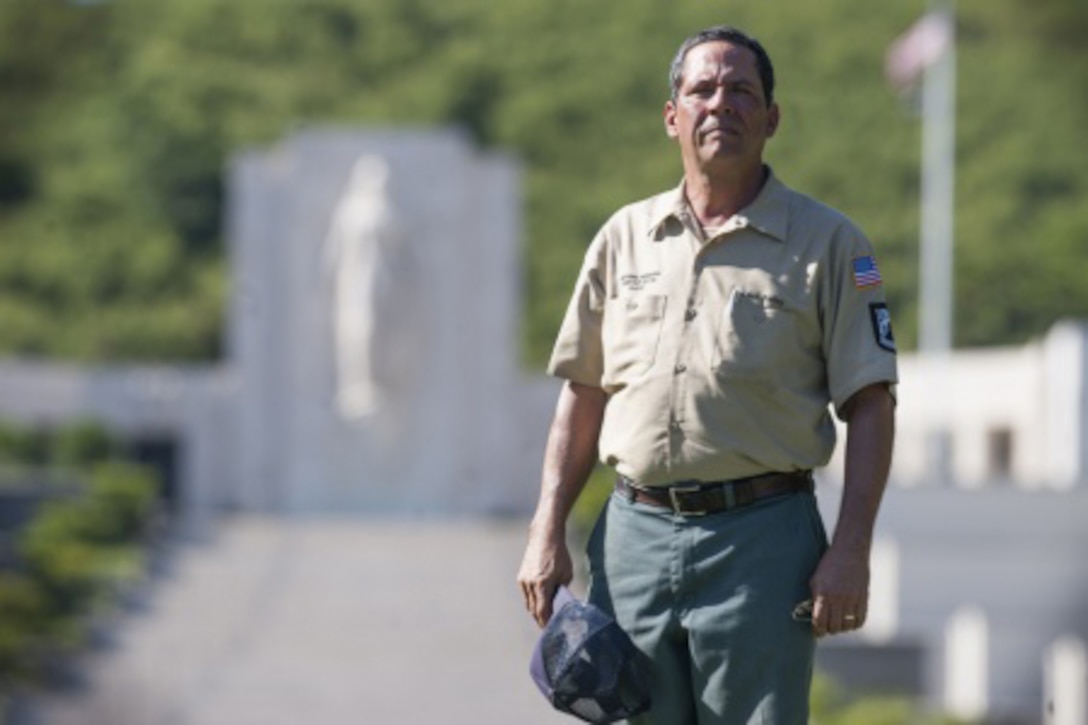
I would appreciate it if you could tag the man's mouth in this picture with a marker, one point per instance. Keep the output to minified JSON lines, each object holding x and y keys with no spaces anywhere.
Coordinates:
{"x":721,"y":131}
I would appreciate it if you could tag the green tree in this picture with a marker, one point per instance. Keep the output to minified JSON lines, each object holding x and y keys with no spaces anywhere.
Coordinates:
{"x":117,"y":119}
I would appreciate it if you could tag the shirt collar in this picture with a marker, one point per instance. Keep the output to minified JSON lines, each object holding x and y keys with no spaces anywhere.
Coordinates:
{"x":767,"y":214}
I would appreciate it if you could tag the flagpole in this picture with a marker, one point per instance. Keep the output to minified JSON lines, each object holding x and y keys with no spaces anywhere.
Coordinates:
{"x":938,"y":182}
{"x":935,"y":306}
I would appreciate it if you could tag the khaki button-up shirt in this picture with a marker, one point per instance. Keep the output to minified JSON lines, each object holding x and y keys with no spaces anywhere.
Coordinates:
{"x":721,"y":351}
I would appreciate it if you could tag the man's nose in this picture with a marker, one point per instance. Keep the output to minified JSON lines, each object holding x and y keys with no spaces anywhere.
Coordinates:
{"x":718,"y":102}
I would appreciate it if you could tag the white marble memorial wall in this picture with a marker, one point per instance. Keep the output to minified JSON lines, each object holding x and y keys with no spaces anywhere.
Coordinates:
{"x":460,"y":429}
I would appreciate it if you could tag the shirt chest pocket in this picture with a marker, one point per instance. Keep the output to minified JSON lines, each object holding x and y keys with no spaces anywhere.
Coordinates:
{"x":757,"y":335}
{"x":632,"y":331}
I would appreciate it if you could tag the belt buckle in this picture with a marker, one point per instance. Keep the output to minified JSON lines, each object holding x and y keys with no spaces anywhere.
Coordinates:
{"x":675,"y":492}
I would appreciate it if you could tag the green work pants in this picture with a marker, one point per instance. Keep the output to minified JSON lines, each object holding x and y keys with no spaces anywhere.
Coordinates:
{"x":708,"y":600}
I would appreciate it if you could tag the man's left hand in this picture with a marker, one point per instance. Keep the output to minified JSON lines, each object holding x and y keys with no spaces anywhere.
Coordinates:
{"x":840,"y":591}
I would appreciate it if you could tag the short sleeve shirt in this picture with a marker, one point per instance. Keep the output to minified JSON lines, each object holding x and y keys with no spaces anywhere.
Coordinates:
{"x":721,"y":352}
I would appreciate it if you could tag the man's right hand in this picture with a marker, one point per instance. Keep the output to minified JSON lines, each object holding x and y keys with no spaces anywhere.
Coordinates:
{"x":544,"y":567}
{"x":568,"y":461}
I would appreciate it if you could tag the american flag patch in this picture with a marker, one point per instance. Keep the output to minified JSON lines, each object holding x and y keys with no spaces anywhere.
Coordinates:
{"x":865,"y":272}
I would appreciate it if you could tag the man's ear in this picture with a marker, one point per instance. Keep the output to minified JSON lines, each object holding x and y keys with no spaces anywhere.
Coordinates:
{"x":774,"y":116}
{"x":669,"y":116}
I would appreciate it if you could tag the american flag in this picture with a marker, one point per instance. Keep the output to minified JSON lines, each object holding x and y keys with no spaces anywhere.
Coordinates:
{"x":918,"y":48}
{"x":865,"y":272}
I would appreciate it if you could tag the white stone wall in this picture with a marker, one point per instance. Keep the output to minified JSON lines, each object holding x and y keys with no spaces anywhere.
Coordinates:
{"x":1035,"y":392}
{"x":469,"y":435}
{"x":1010,"y":549}
{"x":1015,"y":556}
{"x":192,"y":406}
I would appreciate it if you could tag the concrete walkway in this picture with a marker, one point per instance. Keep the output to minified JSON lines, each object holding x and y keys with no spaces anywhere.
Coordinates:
{"x":322,"y":622}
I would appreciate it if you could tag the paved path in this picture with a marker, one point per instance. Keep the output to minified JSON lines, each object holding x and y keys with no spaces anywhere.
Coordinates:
{"x":322,"y":622}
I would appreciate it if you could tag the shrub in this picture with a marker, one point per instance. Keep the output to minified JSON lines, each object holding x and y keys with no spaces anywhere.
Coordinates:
{"x":74,"y":552}
{"x":23,"y":620}
{"x":82,"y":443}
{"x":830,"y":705}
{"x":26,"y":446}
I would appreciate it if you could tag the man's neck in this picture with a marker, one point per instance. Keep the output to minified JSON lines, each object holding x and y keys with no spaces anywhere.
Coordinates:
{"x":716,"y":198}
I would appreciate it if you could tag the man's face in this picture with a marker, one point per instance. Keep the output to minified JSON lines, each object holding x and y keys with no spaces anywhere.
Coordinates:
{"x":720,"y":115}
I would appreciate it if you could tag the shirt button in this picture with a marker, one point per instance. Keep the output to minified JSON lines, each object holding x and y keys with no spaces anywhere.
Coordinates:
{"x":690,"y":314}
{"x":680,"y":368}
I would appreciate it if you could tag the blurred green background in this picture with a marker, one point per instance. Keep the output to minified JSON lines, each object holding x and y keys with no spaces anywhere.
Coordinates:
{"x":117,"y":117}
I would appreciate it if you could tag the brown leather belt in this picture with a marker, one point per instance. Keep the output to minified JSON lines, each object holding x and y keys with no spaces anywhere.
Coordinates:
{"x":698,"y":498}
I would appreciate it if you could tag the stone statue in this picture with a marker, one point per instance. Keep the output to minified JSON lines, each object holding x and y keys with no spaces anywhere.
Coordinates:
{"x":375,"y":322}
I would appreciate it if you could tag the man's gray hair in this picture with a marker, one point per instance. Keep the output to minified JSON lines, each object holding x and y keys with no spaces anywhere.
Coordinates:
{"x":728,"y":34}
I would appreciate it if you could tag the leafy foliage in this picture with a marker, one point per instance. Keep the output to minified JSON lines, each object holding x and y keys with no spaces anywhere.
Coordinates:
{"x":24,"y":446}
{"x":117,"y":117}
{"x":78,"y":545}
{"x":830,"y":705}
{"x":77,"y":444}
{"x":82,"y":443}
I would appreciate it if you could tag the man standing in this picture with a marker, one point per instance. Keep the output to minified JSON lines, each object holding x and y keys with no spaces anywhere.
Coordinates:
{"x":710,"y":329}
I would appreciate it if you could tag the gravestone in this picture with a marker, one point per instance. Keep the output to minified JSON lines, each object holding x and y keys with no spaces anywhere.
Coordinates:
{"x":373,"y":327}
